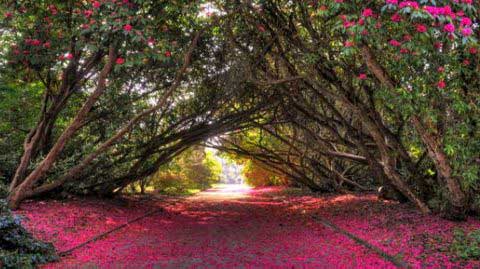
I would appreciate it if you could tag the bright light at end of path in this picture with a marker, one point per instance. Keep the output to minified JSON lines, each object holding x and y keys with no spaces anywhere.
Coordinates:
{"x":221,"y":192}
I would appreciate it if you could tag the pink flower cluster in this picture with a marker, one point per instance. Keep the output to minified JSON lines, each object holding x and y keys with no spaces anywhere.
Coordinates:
{"x":411,"y":4}
{"x":391,"y":2}
{"x":440,"y":11}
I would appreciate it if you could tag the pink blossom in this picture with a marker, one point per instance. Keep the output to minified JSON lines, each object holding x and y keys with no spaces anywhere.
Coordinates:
{"x":468,"y":2}
{"x":466,"y":21}
{"x":362,"y":76}
{"x":348,"y":24}
{"x":127,"y":27}
{"x":391,"y":2}
{"x":440,"y":11}
{"x":69,"y":56}
{"x":35,"y":42}
{"x":96,"y":4}
{"x":467,"y":31}
{"x":8,"y":15}
{"x":396,"y":18}
{"x":368,"y":12}
{"x":411,"y":4}
{"x":120,"y":61}
{"x":472,"y":50}
{"x":88,"y":13}
{"x":348,"y":44}
{"x":449,"y":28}
{"x":394,"y":43}
{"x":421,"y":28}
{"x":441,"y":69}
{"x":441,"y":84}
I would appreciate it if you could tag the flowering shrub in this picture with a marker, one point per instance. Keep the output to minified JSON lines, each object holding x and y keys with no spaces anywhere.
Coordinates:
{"x":429,"y":51}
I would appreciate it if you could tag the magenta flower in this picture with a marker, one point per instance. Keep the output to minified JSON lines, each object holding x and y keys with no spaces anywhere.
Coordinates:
{"x":120,"y":60}
{"x":437,"y":11}
{"x":396,"y":18}
{"x":421,"y":28}
{"x":449,"y":28}
{"x":362,"y":76}
{"x":127,"y":27}
{"x":466,"y":21}
{"x":441,"y":84}
{"x":411,"y":4}
{"x":35,"y":42}
{"x":391,"y":2}
{"x":348,"y":44}
{"x":88,"y":13}
{"x":467,"y":31}
{"x":394,"y":43}
{"x":368,"y":12}
{"x":348,"y":24}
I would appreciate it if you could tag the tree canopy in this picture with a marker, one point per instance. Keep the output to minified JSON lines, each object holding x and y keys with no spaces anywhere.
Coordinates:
{"x":335,"y":96}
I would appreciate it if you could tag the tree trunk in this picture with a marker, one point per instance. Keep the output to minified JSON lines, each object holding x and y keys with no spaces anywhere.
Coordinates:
{"x":20,"y":192}
{"x":457,"y":198}
{"x":76,"y":171}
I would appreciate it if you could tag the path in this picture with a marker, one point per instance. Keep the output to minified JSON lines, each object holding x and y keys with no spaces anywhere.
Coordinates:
{"x":226,"y":227}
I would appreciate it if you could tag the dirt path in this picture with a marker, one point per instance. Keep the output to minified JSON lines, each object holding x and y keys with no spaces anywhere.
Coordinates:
{"x":227,"y":227}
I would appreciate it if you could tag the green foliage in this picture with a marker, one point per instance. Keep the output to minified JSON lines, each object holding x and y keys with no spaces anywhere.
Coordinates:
{"x":194,"y":169}
{"x":466,"y":245}
{"x":18,"y":249}
{"x":18,"y":107}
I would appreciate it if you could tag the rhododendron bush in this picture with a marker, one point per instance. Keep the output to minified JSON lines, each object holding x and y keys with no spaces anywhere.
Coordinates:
{"x":391,"y":86}
{"x":346,"y":95}
{"x":335,"y":96}
{"x":112,"y":102}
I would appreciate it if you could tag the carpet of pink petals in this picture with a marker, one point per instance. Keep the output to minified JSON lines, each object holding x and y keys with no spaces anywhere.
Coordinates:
{"x":268,"y":228}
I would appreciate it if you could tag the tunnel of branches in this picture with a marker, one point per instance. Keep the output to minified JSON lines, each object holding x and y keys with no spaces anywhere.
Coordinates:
{"x":119,"y":107}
